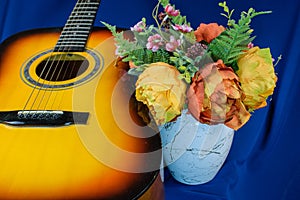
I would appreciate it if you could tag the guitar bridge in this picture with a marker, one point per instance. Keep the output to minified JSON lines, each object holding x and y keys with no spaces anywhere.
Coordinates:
{"x":43,"y":118}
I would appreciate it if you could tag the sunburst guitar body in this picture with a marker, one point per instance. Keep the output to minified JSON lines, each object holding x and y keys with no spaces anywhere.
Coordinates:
{"x":68,"y":122}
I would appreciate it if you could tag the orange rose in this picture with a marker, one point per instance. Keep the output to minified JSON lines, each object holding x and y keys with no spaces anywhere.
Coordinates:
{"x":208,"y":32}
{"x":215,"y":97}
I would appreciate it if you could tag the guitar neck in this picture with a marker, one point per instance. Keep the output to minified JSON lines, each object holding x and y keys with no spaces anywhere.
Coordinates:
{"x":78,"y":27}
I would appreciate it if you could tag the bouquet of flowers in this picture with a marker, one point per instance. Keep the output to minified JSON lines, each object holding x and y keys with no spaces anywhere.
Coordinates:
{"x":214,"y":71}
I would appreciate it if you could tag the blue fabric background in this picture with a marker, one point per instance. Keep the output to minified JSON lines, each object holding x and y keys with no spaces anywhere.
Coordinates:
{"x":264,"y":162}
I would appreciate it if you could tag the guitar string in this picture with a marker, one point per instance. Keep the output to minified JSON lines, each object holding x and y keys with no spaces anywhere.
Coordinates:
{"x":82,"y":16}
{"x":65,"y":64}
{"x":36,"y":86}
{"x":42,"y":83}
{"x":78,"y":25}
{"x":87,"y":4}
{"x":48,"y":81}
{"x":42,"y":75}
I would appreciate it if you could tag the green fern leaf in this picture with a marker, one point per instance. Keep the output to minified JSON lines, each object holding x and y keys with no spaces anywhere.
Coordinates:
{"x":232,"y":42}
{"x":124,"y":45}
{"x":146,"y":56}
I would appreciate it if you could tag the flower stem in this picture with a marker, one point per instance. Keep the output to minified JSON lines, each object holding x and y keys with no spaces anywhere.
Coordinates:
{"x":155,"y":13}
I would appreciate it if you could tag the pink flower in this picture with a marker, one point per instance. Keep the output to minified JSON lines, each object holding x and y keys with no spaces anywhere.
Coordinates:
{"x":172,"y":44}
{"x":154,"y":42}
{"x":139,"y":27}
{"x":183,"y":28}
{"x":250,"y":45}
{"x":171,"y":11}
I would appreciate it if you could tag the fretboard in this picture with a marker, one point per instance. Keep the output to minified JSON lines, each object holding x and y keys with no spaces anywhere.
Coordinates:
{"x":76,"y":31}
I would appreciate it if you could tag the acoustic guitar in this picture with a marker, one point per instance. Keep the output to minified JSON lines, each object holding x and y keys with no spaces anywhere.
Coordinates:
{"x":69,"y":127}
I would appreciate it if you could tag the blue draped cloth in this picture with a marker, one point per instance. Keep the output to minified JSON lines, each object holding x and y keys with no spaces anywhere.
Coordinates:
{"x":264,"y":161}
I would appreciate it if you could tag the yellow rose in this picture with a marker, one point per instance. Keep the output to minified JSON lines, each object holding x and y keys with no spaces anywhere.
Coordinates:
{"x":257,"y":77}
{"x":162,"y":91}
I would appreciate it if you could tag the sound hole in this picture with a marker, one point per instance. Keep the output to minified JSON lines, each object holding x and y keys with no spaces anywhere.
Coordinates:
{"x":62,"y":67}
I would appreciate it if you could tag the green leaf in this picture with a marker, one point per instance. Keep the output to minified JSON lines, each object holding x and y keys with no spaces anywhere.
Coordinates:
{"x":164,"y":2}
{"x":223,"y":14}
{"x":231,"y":43}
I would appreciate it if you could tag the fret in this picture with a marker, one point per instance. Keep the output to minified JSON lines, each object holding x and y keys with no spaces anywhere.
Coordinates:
{"x":84,"y":8}
{"x":65,"y":46}
{"x":72,"y":39}
{"x":70,"y":42}
{"x":75,"y":36}
{"x":70,"y":48}
{"x":78,"y":45}
{"x":76,"y":21}
{"x":62,"y":47}
{"x":84,"y":11}
{"x":81,"y":24}
{"x":80,"y":17}
{"x":78,"y":26}
{"x":83,"y":14}
{"x":86,"y":3}
{"x":74,"y":32}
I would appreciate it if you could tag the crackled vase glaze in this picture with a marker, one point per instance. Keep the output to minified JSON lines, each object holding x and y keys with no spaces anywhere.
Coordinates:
{"x":194,"y":152}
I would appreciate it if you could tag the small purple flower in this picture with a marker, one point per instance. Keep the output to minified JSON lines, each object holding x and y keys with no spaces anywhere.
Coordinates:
{"x":250,"y":45}
{"x":139,"y":27}
{"x":172,"y":44}
{"x":183,"y":28}
{"x":154,"y":42}
{"x":171,"y":11}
